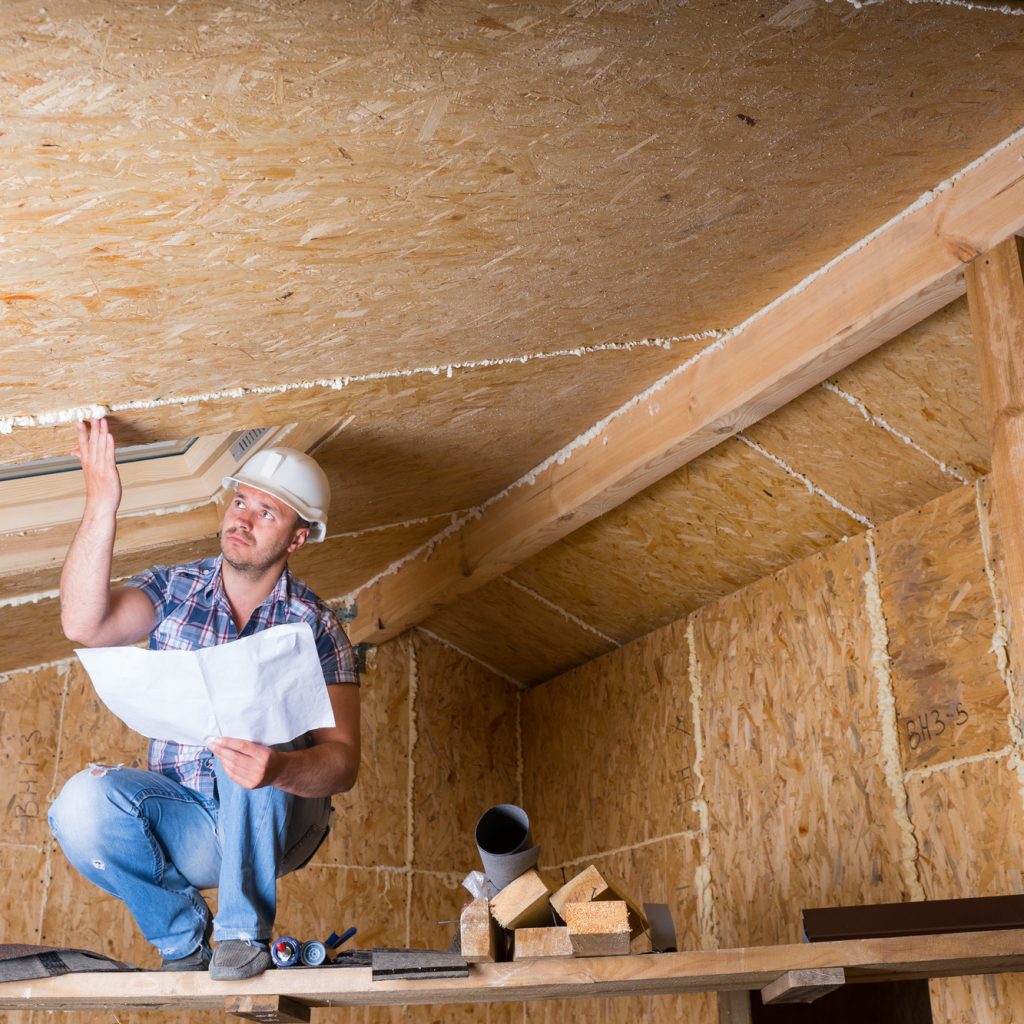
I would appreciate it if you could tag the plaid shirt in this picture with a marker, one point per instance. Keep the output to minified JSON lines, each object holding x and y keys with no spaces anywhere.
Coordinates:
{"x":192,"y":611}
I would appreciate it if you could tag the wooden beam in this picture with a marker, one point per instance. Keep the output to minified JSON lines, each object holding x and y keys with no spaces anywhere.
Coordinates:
{"x":724,"y":970}
{"x":591,"y":884}
{"x":523,"y":903}
{"x":896,"y":277}
{"x":995,"y":292}
{"x":478,"y":933}
{"x":540,"y":943}
{"x":598,"y":928}
{"x":803,"y":986}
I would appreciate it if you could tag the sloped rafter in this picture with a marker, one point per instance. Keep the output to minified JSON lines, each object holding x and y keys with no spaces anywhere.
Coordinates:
{"x":891,"y":280}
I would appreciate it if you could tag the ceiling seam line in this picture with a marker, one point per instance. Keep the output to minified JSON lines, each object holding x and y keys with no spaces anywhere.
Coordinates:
{"x":5,"y":677}
{"x":812,"y":487}
{"x":878,"y":421}
{"x":339,"y":383}
{"x":472,"y":657}
{"x":989,"y":755}
{"x":564,"y":612}
{"x":418,"y":521}
{"x":967,"y":5}
{"x":686,"y":834}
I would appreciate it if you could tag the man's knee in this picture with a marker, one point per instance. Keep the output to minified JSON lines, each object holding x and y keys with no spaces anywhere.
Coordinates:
{"x":85,"y":806}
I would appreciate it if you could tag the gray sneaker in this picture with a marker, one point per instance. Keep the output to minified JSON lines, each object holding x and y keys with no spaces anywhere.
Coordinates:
{"x":234,"y":959}
{"x":197,"y":960}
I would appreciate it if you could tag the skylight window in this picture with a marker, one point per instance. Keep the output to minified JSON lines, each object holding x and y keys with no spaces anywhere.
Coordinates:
{"x":68,"y":463}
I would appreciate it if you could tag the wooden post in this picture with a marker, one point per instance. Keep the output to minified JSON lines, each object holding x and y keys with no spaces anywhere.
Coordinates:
{"x":734,"y":1007}
{"x":995,"y":292}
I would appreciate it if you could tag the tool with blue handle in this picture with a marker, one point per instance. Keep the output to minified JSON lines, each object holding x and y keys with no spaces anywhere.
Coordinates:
{"x":289,"y":952}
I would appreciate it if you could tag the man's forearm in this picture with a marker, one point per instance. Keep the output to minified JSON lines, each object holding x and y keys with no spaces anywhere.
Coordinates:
{"x":85,"y":579}
{"x":321,"y":770}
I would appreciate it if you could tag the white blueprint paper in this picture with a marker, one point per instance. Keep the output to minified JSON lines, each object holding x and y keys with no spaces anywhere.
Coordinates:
{"x":268,"y":688}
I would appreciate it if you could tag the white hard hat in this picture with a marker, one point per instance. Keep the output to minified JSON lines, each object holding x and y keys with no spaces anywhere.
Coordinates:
{"x":294,"y":478}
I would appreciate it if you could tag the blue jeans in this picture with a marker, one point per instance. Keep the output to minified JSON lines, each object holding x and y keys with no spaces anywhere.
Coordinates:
{"x":154,"y":843}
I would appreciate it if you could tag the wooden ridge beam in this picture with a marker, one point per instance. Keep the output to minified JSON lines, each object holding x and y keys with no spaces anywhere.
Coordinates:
{"x":864,"y":960}
{"x":893,"y":279}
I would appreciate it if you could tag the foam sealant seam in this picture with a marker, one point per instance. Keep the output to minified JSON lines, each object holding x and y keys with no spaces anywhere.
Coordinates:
{"x":520,"y":770}
{"x":565,"y":453}
{"x":58,"y":751}
{"x":9,"y":423}
{"x":34,"y":598}
{"x":702,"y":880}
{"x":956,"y":762}
{"x":565,"y":613}
{"x":689,"y":834}
{"x":1001,"y":647}
{"x":886,"y":697}
{"x":44,"y":595}
{"x":812,"y":487}
{"x":878,"y":421}
{"x":379,"y":869}
{"x":967,"y":5}
{"x":472,"y":657}
{"x":5,"y":677}
{"x":418,"y":521}
{"x":410,"y":837}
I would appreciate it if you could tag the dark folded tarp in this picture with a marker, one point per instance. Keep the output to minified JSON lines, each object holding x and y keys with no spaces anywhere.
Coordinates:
{"x":23,"y":962}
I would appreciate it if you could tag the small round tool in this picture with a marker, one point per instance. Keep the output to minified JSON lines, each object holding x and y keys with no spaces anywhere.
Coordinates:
{"x":314,"y":953}
{"x":285,"y":951}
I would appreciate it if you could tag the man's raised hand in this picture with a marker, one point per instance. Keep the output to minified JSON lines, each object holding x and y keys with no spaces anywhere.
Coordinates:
{"x":95,"y":449}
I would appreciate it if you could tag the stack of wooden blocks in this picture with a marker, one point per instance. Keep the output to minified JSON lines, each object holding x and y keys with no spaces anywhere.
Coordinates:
{"x":587,"y":916}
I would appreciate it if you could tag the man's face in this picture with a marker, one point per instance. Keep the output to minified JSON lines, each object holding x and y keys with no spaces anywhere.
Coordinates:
{"x":258,"y":531}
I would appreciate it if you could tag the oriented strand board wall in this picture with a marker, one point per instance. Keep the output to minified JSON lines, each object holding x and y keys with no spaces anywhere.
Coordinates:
{"x":844,"y":731}
{"x":439,"y":747}
{"x":611,"y":765}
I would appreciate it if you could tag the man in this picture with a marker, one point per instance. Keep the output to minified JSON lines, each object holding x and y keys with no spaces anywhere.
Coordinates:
{"x":235,"y":815}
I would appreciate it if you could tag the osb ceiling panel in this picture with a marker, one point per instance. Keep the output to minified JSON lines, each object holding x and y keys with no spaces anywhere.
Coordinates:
{"x":889,"y":439}
{"x":200,"y":197}
{"x":719,"y":523}
{"x":924,"y":384}
{"x":467,"y":233}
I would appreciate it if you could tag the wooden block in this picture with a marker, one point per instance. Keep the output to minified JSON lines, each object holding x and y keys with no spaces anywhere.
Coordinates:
{"x":523,"y":903}
{"x":598,"y":928}
{"x":272,"y":1009}
{"x":478,"y":933}
{"x":591,"y":885}
{"x":803,"y":986}
{"x":539,"y":943}
{"x":588,"y":885}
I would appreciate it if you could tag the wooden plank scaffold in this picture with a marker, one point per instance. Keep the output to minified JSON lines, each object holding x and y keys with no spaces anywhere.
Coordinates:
{"x":295,"y":991}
